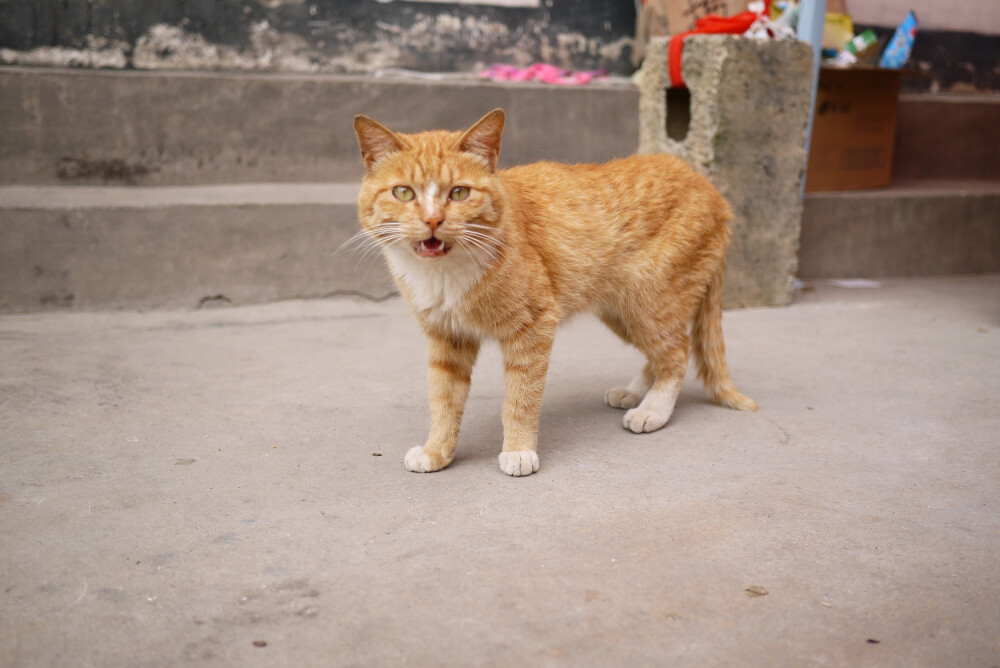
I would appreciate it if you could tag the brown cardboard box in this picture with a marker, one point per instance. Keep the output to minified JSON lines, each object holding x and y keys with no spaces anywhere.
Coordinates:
{"x":681,"y":14}
{"x":854,"y":129}
{"x":659,"y":18}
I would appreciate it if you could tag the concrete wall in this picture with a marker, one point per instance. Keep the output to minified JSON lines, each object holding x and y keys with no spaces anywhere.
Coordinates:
{"x":978,"y":16}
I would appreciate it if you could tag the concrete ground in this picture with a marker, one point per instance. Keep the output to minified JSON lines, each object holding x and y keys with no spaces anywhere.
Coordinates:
{"x":226,"y":487}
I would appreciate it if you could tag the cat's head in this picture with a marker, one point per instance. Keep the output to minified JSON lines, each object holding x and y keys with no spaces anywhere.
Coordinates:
{"x":432,"y":193}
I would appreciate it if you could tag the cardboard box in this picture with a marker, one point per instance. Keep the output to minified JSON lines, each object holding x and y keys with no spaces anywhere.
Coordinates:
{"x":854,"y":129}
{"x":660,"y":18}
{"x":682,"y":14}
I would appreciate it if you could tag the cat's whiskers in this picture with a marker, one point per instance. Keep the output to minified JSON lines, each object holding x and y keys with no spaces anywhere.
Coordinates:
{"x":357,"y":239}
{"x":476,"y":251}
{"x":480,"y":226}
{"x":488,"y":233}
{"x":483,"y":230}
{"x":482,"y":244}
{"x":472,"y":236}
{"x":366,"y":237}
{"x":372,"y":241}
{"x":491,"y":253}
{"x":483,"y":257}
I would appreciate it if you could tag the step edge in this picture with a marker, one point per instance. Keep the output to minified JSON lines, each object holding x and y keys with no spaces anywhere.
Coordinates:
{"x":49,"y":197}
{"x":916,"y":189}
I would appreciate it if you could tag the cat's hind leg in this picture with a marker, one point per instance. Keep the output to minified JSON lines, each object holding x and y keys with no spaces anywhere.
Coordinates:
{"x":656,"y":407}
{"x":667,"y":351}
{"x":632,"y":395}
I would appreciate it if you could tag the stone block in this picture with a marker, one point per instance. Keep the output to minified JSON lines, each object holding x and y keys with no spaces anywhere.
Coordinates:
{"x":742,"y":122}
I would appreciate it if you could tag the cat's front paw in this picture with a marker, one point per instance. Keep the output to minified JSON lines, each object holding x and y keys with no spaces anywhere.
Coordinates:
{"x":621,"y":397}
{"x":640,"y":420}
{"x":421,"y":461}
{"x":519,"y":462}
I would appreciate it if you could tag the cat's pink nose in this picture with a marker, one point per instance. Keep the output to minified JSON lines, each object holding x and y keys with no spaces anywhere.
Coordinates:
{"x":434,"y":221}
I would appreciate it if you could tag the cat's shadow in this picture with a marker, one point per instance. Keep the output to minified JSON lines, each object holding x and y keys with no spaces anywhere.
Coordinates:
{"x":570,"y":418}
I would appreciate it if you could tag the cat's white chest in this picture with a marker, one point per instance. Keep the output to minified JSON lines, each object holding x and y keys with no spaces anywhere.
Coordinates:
{"x":437,"y":287}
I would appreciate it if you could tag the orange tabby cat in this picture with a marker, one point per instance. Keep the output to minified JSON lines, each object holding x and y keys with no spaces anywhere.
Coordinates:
{"x":480,"y":253}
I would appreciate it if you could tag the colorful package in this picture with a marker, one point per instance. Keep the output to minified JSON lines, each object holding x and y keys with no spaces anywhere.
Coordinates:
{"x":898,"y":51}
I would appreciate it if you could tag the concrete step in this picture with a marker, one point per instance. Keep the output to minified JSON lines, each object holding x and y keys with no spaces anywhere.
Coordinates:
{"x":145,"y":247}
{"x":74,"y":127}
{"x":915,"y":228}
{"x":189,"y":246}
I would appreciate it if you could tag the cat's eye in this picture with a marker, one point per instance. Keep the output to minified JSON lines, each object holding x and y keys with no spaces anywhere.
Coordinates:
{"x":403,"y":193}
{"x":459,"y":193}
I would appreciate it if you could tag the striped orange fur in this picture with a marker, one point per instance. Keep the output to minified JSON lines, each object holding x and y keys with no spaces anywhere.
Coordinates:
{"x":481,"y":253}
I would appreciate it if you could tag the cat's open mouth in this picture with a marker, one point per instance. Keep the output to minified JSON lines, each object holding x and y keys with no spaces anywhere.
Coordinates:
{"x":432,"y":247}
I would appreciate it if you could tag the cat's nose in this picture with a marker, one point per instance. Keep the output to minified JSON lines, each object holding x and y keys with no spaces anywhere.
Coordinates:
{"x":434,"y":220}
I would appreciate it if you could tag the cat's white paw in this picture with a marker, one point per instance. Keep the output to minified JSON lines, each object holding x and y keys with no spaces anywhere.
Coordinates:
{"x":640,"y":420}
{"x":519,"y":462}
{"x":419,"y":460}
{"x":621,"y":397}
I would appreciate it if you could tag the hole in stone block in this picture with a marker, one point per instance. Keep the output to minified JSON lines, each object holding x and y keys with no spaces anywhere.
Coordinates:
{"x":678,"y":113}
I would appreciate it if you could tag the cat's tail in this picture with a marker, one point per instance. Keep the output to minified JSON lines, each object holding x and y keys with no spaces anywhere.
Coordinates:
{"x":710,"y":350}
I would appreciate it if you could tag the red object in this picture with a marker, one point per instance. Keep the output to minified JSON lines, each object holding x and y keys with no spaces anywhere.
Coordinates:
{"x":732,"y":25}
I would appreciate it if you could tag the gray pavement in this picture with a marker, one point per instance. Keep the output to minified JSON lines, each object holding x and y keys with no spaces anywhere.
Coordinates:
{"x":225,"y":487}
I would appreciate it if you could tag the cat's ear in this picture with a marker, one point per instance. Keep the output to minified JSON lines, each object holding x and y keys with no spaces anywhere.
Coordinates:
{"x":483,"y":138}
{"x":376,"y":141}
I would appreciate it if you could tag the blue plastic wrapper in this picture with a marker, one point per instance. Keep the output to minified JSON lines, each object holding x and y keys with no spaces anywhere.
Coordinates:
{"x":898,"y":51}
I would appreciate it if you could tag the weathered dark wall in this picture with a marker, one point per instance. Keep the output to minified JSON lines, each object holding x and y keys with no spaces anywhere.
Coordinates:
{"x":370,"y":35}
{"x":314,"y":35}
{"x":952,"y":61}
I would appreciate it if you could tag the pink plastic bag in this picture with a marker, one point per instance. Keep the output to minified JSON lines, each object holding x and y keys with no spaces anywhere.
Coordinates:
{"x":542,"y":72}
